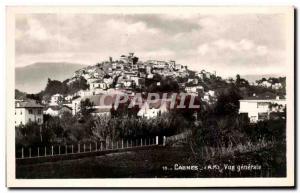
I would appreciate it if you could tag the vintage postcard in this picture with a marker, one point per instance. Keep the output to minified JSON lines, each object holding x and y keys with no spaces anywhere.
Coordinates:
{"x":150,"y":97}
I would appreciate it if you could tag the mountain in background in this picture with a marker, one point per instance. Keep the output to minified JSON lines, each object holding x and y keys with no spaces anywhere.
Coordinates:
{"x":20,"y":95}
{"x":254,"y":77}
{"x":33,"y":78}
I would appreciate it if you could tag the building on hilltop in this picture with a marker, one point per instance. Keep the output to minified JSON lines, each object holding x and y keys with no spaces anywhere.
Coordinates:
{"x":98,"y":84}
{"x":194,"y":89}
{"x":56,"y":99}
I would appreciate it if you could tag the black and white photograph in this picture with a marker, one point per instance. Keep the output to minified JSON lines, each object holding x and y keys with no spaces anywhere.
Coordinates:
{"x":185,"y":96}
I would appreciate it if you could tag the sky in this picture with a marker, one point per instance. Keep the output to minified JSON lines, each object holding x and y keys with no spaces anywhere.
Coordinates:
{"x":228,"y":44}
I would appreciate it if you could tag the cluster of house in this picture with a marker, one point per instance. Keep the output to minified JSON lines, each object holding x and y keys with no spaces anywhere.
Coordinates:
{"x":269,"y":84}
{"x":198,"y":90}
{"x":256,"y":108}
{"x":147,"y":110}
{"x":127,"y":73}
{"x":31,"y":111}
{"x":119,"y":77}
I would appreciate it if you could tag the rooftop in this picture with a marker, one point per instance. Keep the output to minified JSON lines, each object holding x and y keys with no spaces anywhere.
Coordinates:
{"x":27,"y":104}
{"x":96,"y":100}
{"x":264,"y":96}
{"x":57,"y":108}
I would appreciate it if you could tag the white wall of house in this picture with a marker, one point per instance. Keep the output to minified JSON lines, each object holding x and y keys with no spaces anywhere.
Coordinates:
{"x":51,"y":112}
{"x":136,"y":80}
{"x":211,"y":93}
{"x":76,"y":106}
{"x":83,"y":93}
{"x":193,"y":89}
{"x":69,"y":98}
{"x":148,"y":112}
{"x":20,"y":118}
{"x":255,"y":107}
{"x":55,"y":99}
{"x":25,"y":115}
{"x":206,"y":97}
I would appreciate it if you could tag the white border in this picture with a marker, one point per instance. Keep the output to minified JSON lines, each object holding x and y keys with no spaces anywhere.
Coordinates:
{"x":176,"y":182}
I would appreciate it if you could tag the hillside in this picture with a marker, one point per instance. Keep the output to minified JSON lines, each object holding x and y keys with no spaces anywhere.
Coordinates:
{"x":132,"y":75}
{"x":33,"y":78}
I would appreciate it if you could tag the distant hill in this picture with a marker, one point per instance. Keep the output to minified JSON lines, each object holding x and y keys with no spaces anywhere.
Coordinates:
{"x":253,"y":78}
{"x":33,"y":78}
{"x":19,"y":94}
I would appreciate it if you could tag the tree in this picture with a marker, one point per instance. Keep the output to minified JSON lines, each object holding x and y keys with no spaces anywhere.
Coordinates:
{"x":86,"y":107}
{"x":101,"y":129}
{"x":220,"y":132}
{"x":227,"y":102}
{"x":36,"y":97}
{"x":135,"y":60}
{"x":53,"y":129}
{"x":73,"y":129}
{"x":33,"y":134}
{"x":77,"y":85}
{"x":54,"y":87}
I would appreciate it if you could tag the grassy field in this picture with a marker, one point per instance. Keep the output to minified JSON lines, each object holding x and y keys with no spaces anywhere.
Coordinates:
{"x":141,"y":164}
{"x":153,"y":163}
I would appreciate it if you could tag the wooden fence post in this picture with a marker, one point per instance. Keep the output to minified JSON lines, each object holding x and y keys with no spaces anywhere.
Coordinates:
{"x":78,"y":150}
{"x":156,"y":142}
{"x":45,"y":151}
{"x":122,"y":144}
{"x":84,"y":147}
{"x":52,"y":150}
{"x":72,"y":149}
{"x":59,"y":150}
{"x":30,"y":152}
{"x":22,"y":152}
{"x":141,"y":141}
{"x":164,"y":141}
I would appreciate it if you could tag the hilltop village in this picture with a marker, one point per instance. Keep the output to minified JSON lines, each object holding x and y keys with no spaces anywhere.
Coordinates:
{"x":128,"y":75}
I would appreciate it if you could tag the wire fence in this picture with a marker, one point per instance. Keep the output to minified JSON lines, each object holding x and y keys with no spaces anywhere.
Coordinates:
{"x":67,"y":149}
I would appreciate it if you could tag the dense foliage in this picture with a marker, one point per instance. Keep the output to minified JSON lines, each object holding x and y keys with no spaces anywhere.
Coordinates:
{"x":55,"y":86}
{"x":222,"y":126}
